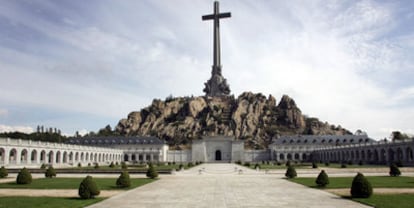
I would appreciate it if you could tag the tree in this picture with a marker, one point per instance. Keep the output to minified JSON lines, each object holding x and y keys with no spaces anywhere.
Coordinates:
{"x":322,"y":180}
{"x":50,"y":172}
{"x":394,"y":170}
{"x":112,"y":165}
{"x":88,"y":188}
{"x":123,"y":181}
{"x":24,"y":177}
{"x":361,"y":187}
{"x":314,"y":165}
{"x":290,"y":172}
{"x":398,"y":136}
{"x":151,"y":172}
{"x":124,"y":165}
{"x":3,"y":172}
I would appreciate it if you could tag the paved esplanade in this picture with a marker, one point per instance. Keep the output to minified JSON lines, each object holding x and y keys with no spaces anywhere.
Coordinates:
{"x":221,"y":185}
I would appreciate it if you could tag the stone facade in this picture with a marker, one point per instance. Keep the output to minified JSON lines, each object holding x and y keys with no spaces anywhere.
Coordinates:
{"x":17,"y":152}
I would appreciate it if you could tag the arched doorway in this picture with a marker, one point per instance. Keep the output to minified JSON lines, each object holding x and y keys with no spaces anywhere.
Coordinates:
{"x":218,"y":155}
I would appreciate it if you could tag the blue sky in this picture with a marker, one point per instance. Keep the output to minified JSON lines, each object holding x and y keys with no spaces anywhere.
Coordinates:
{"x":79,"y":65}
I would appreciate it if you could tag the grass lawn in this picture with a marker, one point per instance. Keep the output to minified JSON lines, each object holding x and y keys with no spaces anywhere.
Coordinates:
{"x":376,"y":182}
{"x":389,"y":201}
{"x":45,"y":202}
{"x":73,"y":183}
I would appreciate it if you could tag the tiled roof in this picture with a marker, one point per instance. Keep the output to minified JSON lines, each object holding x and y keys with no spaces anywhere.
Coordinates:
{"x":115,"y":140}
{"x":322,"y":139}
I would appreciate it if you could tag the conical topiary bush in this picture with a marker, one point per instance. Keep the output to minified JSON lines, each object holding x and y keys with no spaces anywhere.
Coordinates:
{"x":50,"y":172}
{"x":290,"y":172}
{"x":151,"y":172}
{"x":322,"y":180}
{"x":123,"y":181}
{"x":88,"y":188}
{"x":24,"y":177}
{"x":361,"y":188}
{"x":394,"y":170}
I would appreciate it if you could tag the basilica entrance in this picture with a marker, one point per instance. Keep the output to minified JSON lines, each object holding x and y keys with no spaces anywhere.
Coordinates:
{"x":218,"y":155}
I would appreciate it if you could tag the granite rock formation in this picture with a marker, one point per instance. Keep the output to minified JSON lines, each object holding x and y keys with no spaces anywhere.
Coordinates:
{"x":250,"y":117}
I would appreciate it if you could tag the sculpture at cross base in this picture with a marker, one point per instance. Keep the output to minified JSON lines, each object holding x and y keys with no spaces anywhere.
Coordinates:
{"x":217,"y":84}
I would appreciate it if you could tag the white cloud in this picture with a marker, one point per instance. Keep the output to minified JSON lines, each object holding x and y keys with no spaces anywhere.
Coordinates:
{"x":24,"y":129}
{"x":345,"y":62}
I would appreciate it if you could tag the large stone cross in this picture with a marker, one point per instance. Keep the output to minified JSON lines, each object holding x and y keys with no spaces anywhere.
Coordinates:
{"x":217,"y":85}
{"x":216,"y":16}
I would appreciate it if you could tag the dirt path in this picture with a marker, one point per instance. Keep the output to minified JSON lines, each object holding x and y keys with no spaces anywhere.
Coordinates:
{"x":346,"y":191}
{"x":52,"y":192}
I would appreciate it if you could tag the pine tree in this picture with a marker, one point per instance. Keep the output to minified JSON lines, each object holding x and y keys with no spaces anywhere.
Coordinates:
{"x":361,"y":188}
{"x":123,"y":181}
{"x":88,"y":188}
{"x":322,"y":180}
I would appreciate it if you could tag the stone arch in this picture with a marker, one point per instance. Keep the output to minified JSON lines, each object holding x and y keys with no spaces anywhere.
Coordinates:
{"x":91,"y":156}
{"x":13,"y":156}
{"x":24,"y":156}
{"x":281,"y":156}
{"x":218,"y":155}
{"x":43,"y":156}
{"x":65,"y":157}
{"x":399,"y":155}
{"x":71,"y":156}
{"x":391,"y":155}
{"x":2,"y":155}
{"x":383,"y":156}
{"x":77,"y":156}
{"x":362,"y":155}
{"x":58,"y":157}
{"x":289,"y":156}
{"x":369,"y":155}
{"x":96,"y":157}
{"x":357,"y":155}
{"x":33,"y":156}
{"x":51,"y":157}
{"x":126,"y":157}
{"x":87,"y":156}
{"x":82,"y":155}
{"x":297,"y":156}
{"x":409,"y":154}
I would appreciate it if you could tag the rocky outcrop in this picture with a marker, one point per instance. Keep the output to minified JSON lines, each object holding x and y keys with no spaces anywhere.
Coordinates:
{"x":251,"y":117}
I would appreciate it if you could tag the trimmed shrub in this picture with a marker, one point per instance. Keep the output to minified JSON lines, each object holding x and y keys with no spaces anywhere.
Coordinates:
{"x":360,"y":162}
{"x":314,"y":165}
{"x":116,"y":164}
{"x":394,"y":170}
{"x":88,"y":188}
{"x":238,"y":162}
{"x":361,"y":188}
{"x":24,"y":177}
{"x":151,"y":172}
{"x":190,"y":164}
{"x":50,"y":172}
{"x":247,"y":164}
{"x":343,"y":165}
{"x":96,"y":166}
{"x":327,"y":164}
{"x":112,"y":165}
{"x":322,"y":180}
{"x":43,"y":166}
{"x":3,"y":172}
{"x":257,"y":166}
{"x":79,"y":165}
{"x":290,"y":172}
{"x":124,"y":165}
{"x":399,"y":163}
{"x":123,"y":181}
{"x":89,"y":165}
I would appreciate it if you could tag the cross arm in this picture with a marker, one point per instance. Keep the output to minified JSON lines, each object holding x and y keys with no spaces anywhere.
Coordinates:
{"x":212,"y":16}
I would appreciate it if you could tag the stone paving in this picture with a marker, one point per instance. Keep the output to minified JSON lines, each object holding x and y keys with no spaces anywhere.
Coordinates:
{"x":224,"y":185}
